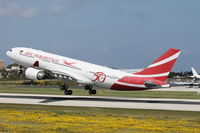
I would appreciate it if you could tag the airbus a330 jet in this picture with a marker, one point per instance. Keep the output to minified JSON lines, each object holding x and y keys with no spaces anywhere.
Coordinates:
{"x":42,"y":65}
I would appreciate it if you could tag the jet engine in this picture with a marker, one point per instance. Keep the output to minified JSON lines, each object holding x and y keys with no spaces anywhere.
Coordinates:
{"x":34,"y":74}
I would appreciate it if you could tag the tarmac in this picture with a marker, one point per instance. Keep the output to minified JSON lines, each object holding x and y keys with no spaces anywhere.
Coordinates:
{"x":178,"y":88}
{"x":103,"y":102}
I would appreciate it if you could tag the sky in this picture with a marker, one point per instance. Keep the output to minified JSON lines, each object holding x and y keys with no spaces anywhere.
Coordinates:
{"x":114,"y":33}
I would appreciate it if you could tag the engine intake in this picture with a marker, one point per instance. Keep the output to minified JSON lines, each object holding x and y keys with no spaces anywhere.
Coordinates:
{"x":34,"y":74}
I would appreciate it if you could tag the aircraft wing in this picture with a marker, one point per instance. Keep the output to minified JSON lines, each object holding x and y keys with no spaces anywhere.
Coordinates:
{"x":66,"y":75}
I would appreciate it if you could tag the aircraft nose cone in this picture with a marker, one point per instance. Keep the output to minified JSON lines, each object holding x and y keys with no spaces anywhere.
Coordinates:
{"x":7,"y":53}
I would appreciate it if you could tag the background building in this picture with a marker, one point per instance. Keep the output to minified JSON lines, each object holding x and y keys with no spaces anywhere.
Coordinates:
{"x":2,"y":65}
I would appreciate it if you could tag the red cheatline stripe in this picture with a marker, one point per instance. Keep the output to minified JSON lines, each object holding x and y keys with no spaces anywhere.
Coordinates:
{"x":140,"y":80}
{"x":125,"y":88}
{"x":169,"y":53}
{"x":136,"y":80}
{"x":132,"y":80}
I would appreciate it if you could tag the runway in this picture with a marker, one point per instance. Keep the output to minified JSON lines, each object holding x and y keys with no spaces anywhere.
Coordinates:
{"x":178,"y":89}
{"x":104,"y":102}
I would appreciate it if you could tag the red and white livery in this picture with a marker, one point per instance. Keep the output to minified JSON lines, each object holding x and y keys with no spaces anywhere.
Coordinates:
{"x":42,"y":65}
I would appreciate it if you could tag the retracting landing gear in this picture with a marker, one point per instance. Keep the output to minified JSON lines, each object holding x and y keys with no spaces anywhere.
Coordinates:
{"x":91,"y":91}
{"x":66,"y":90}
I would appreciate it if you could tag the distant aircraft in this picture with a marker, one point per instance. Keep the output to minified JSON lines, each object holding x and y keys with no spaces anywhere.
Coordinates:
{"x":196,"y":78}
{"x":42,"y":65}
{"x":195,"y":75}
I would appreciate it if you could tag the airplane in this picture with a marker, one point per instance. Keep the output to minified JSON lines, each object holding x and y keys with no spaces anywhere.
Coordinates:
{"x":196,"y":78}
{"x":42,"y":65}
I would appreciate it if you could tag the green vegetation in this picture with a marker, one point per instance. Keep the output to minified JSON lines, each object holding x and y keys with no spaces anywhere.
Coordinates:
{"x":87,"y":111}
{"x":35,"y":118}
{"x":100,"y":92}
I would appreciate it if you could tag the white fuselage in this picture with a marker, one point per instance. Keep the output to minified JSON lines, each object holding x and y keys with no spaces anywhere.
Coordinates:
{"x":98,"y":75}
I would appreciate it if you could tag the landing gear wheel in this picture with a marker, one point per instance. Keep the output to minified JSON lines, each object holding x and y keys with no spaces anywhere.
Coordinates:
{"x":63,"y":87}
{"x":92,"y":92}
{"x":88,"y":87}
{"x":68,"y":92}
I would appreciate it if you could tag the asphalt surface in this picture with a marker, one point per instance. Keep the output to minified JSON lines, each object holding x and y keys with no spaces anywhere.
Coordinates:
{"x":105,"y":102}
{"x":178,"y":88}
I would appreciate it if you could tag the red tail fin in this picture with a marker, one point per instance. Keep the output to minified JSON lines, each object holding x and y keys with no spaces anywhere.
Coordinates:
{"x":161,"y":68}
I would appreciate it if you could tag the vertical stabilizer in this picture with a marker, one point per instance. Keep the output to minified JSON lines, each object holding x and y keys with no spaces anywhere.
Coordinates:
{"x":161,"y":68}
{"x":194,"y":72}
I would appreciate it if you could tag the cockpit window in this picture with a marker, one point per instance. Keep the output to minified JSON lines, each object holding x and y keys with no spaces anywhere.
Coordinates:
{"x":11,"y":50}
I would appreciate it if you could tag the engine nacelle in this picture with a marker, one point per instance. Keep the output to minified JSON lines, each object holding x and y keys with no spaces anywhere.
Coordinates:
{"x":34,"y":74}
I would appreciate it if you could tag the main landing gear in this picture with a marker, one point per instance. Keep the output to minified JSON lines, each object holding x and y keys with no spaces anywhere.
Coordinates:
{"x":91,"y":91}
{"x":66,"y":90}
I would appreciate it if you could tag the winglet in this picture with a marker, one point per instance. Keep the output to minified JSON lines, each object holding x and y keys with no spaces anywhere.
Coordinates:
{"x":36,"y":64}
